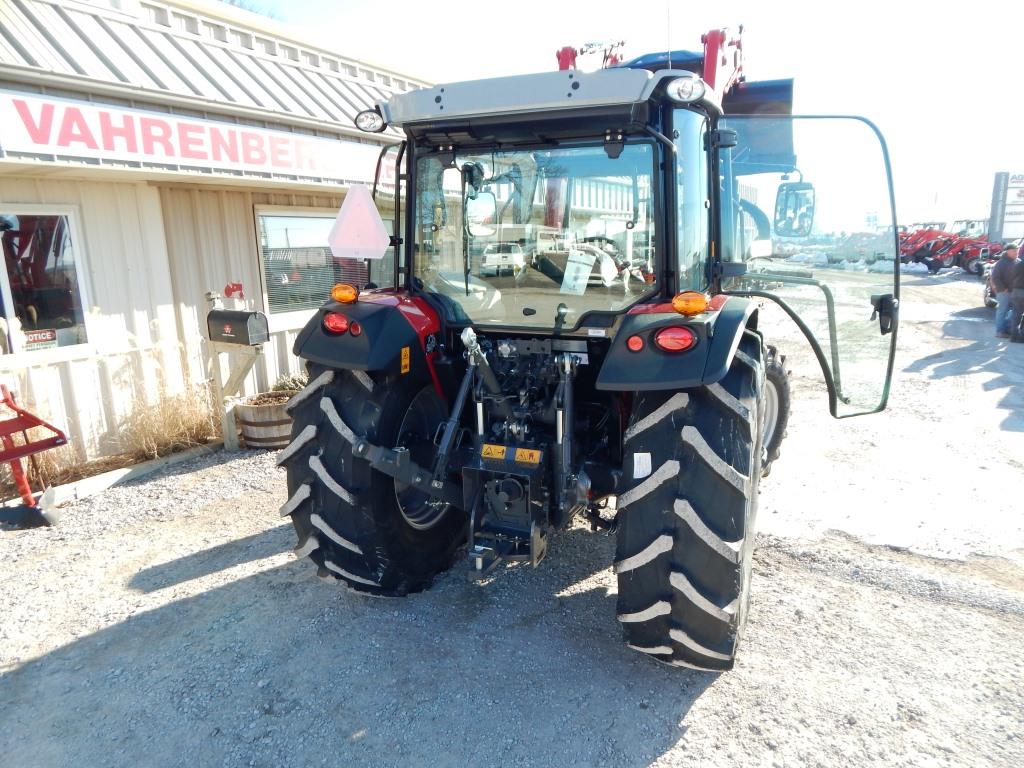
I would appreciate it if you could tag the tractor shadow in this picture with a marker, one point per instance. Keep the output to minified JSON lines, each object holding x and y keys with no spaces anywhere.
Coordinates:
{"x":213,"y":560}
{"x":278,"y":668}
{"x":999,"y":362}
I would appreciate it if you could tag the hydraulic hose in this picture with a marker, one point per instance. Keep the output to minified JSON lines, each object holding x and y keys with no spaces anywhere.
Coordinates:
{"x":479,"y":359}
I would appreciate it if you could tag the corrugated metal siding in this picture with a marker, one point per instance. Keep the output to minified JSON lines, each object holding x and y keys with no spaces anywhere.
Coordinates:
{"x":179,"y":51}
{"x":133,"y":352}
{"x":211,"y":240}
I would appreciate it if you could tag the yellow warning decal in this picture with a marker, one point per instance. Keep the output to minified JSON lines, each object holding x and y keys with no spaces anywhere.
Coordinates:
{"x":527,"y":456}
{"x":493,"y":451}
{"x":405,"y":359}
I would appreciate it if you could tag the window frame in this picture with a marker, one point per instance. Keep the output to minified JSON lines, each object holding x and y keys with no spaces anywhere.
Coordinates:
{"x":83,"y":276}
{"x":292,"y":320}
{"x":657,"y":202}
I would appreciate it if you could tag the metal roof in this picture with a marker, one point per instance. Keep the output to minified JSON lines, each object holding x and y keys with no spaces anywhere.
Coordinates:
{"x":195,"y":57}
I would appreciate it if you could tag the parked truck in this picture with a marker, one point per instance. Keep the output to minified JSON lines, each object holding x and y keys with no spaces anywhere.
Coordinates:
{"x":621,"y":376}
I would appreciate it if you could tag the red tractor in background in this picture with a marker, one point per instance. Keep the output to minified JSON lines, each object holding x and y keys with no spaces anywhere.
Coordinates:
{"x":939,"y":249}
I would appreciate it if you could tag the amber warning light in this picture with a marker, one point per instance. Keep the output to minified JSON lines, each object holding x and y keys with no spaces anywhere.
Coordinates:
{"x":690,"y":303}
{"x":343,"y":293}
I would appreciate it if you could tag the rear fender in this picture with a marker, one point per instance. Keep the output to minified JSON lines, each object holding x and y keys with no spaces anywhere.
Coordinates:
{"x":398,"y":335}
{"x":718,"y":334}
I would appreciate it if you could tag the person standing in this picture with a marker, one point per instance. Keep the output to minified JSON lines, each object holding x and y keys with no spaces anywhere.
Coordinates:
{"x":1017,"y":301}
{"x":1000,"y":277}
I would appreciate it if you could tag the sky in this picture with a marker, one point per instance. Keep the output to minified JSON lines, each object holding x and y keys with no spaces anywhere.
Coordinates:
{"x":944,"y":86}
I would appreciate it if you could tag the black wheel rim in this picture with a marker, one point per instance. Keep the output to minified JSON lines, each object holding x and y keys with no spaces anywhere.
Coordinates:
{"x":419,"y":425}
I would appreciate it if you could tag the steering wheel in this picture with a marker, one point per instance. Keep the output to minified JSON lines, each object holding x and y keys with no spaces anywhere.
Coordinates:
{"x":607,"y":245}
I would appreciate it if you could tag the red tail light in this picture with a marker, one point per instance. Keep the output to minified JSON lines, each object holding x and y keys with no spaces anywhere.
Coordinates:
{"x":675,"y":339}
{"x":335,"y":322}
{"x":355,"y":328}
{"x":635,"y":343}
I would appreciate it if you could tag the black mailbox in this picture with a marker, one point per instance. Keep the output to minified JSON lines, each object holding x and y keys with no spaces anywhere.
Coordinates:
{"x":232,"y":326}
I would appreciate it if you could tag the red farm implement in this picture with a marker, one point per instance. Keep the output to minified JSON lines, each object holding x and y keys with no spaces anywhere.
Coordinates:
{"x":32,"y":511}
{"x":939,"y":249}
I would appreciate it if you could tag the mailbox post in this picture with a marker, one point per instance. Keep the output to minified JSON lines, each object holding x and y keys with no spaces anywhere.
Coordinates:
{"x":240,"y":335}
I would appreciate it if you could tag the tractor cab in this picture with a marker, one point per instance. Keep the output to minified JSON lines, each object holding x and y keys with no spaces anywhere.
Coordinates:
{"x":598,"y":189}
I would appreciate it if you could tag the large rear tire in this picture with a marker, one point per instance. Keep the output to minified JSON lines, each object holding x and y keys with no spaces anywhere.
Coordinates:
{"x":357,"y":524}
{"x":686,"y":520}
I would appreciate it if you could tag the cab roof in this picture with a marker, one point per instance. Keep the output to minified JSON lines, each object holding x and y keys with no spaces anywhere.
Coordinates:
{"x":562,"y":91}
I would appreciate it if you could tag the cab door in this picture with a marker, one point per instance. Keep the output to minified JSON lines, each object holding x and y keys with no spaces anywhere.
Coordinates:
{"x":808,"y":220}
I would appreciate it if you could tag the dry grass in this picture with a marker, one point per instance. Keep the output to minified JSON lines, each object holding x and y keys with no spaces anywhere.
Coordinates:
{"x":175,"y":423}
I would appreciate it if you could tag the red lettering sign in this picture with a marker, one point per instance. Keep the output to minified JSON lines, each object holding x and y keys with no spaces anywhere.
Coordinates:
{"x":280,"y":152}
{"x":109,"y":132}
{"x":225,"y":144}
{"x":190,"y":141}
{"x":252,"y":148}
{"x":74,"y":130}
{"x":39,"y":132}
{"x":155,"y":131}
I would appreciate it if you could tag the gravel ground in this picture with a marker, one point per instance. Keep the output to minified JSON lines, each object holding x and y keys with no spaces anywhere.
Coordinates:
{"x":166,"y":622}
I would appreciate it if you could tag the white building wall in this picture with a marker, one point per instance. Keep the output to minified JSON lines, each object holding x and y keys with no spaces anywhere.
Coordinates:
{"x":211,"y":236}
{"x":133,"y":352}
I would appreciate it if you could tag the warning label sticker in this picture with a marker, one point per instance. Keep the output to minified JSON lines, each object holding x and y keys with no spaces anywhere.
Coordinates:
{"x":527,"y":456}
{"x":405,"y":359}
{"x":493,"y":451}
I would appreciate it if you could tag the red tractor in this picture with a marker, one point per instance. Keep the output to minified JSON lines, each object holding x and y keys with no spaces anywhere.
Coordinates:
{"x":938,"y":249}
{"x":622,"y":374}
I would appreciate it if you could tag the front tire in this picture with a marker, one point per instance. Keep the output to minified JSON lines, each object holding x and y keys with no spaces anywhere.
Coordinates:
{"x":357,"y":524}
{"x":686,"y":520}
{"x":776,"y":412}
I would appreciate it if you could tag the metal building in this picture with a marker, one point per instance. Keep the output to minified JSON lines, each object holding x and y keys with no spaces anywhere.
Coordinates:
{"x":151,"y":151}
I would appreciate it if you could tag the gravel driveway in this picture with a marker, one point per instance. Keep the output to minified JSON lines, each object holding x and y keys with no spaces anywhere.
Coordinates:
{"x":167,"y":623}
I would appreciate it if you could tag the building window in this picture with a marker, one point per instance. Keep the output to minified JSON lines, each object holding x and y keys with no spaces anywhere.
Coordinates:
{"x":41,"y":300}
{"x":299,"y":269}
{"x":243,"y":39}
{"x":216,"y":31}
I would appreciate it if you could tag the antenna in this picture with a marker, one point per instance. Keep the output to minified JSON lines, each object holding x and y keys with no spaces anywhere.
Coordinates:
{"x":668,"y":31}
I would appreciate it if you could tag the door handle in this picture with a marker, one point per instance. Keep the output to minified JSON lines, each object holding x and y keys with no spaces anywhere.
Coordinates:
{"x":886,"y":309}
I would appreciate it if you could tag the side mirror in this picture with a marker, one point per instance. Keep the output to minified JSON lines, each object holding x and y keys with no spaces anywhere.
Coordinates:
{"x":481,"y":214}
{"x":794,"y":209}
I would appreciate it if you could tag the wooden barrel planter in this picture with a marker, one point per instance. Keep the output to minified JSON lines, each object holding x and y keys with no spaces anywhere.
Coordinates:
{"x":263,"y":420}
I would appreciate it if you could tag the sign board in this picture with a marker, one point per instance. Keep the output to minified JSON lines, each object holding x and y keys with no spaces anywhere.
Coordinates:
{"x":1007,"y":220}
{"x":577,"y":272}
{"x":44,"y":339}
{"x":69,"y":130}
